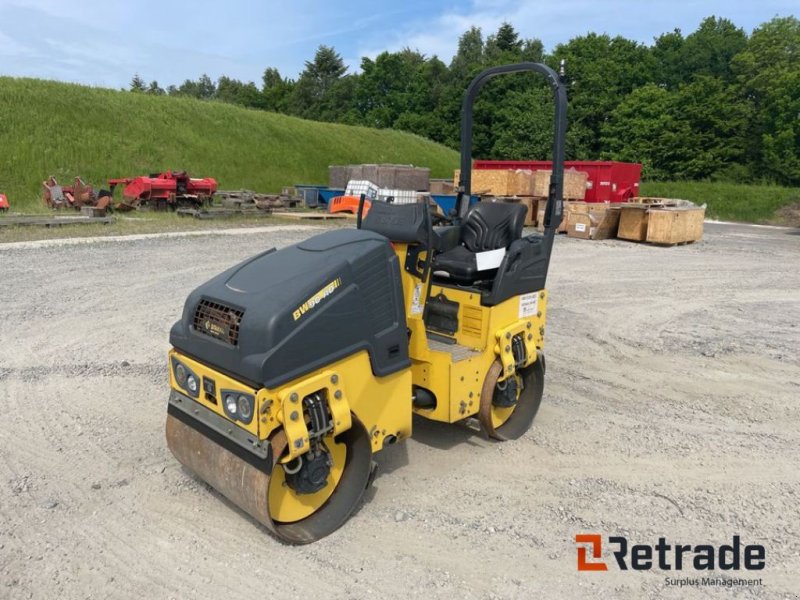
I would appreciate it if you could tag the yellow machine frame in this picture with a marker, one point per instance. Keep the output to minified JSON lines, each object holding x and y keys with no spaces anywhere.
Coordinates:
{"x":350,"y":389}
{"x":485,"y":330}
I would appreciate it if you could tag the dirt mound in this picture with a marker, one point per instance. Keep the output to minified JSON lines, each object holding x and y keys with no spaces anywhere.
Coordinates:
{"x":788,"y":215}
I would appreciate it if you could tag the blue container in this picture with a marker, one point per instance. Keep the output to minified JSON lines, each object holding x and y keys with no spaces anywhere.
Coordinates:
{"x":448,"y":202}
{"x":310,"y":193}
{"x":325,"y":194}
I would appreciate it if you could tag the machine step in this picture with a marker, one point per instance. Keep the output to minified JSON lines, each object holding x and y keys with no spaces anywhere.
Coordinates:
{"x":457,"y":351}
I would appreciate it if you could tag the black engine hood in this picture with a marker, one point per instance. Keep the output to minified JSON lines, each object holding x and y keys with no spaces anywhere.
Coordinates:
{"x":281,"y":314}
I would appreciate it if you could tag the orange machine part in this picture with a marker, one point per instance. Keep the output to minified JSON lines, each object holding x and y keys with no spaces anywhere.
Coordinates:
{"x":348,"y":204}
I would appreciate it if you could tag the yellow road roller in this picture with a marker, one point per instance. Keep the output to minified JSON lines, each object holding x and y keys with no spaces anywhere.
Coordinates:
{"x":290,"y":370}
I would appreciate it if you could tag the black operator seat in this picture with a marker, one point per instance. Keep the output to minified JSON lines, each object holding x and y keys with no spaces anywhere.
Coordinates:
{"x":488,"y":226}
{"x":399,"y":222}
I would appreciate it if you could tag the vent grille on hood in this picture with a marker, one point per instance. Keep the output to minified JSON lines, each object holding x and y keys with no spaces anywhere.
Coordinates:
{"x":218,"y":321}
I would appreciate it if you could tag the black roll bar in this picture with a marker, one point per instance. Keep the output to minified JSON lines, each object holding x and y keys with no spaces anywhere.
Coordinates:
{"x":554,"y":208}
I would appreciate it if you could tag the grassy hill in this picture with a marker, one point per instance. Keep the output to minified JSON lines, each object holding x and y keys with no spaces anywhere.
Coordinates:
{"x":50,"y":128}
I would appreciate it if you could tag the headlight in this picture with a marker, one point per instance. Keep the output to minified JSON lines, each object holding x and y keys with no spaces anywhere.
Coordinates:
{"x":185,"y":378}
{"x":245,"y":407}
{"x":230,"y":404}
{"x":180,"y":374}
{"x":238,"y":406}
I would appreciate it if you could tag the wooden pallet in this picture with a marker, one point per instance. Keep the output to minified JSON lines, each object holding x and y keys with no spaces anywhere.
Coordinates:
{"x":53,"y":221}
{"x":221,"y":213}
{"x":93,"y":211}
{"x":312,"y":216}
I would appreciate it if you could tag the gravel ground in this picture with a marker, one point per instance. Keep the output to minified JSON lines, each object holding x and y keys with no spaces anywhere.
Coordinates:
{"x":670,"y":410}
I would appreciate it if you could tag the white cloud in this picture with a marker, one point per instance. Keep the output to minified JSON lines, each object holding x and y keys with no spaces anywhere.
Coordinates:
{"x":554,"y":22}
{"x":105,"y":42}
{"x":39,"y":40}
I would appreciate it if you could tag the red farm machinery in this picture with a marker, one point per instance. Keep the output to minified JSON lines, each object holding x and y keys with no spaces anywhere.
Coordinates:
{"x":167,"y":190}
{"x":76,"y":196}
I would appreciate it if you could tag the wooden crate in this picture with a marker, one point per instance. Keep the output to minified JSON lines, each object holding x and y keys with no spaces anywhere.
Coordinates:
{"x":569,"y":207}
{"x":500,"y":182}
{"x":403,"y":177}
{"x":522,"y":182}
{"x":533,"y":211}
{"x":675,"y":225}
{"x":443,"y":186}
{"x":600,"y":222}
{"x":574,"y":184}
{"x":633,"y":222}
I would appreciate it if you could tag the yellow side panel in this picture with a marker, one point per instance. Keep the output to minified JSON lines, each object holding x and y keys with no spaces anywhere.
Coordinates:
{"x":382,"y":404}
{"x":487,"y":330}
{"x":466,"y":381}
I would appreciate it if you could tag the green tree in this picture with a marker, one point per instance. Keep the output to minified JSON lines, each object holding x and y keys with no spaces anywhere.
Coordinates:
{"x":712,"y":104}
{"x":503,"y":46}
{"x":154,"y":89}
{"x":601,"y":72}
{"x":467,"y":62}
{"x":697,"y":131}
{"x":532,"y":51}
{"x":316,"y":81}
{"x":137,"y":84}
{"x":523,"y":127}
{"x":389,"y":86}
{"x":768,"y":70}
{"x":635,"y":130}
{"x":276,"y":90}
{"x":711,"y":120}
{"x":338,"y":101}
{"x":710,"y":49}
{"x":469,"y":56}
{"x":234,"y":91}
{"x":203,"y":88}
{"x":667,"y":51}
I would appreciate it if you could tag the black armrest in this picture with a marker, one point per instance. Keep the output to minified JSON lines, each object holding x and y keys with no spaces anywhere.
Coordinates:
{"x":446,"y":237}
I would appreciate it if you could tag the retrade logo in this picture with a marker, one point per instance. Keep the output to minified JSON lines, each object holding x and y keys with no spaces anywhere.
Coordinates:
{"x":667,"y":556}
{"x":596,"y":543}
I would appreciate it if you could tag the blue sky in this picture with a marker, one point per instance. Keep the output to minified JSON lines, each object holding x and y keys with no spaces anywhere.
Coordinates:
{"x":103,"y":42}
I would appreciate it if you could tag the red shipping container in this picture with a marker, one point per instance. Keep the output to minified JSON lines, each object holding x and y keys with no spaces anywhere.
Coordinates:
{"x":609,"y":181}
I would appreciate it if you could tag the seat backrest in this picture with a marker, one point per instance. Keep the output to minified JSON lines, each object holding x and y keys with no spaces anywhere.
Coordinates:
{"x":399,"y":222}
{"x":493,"y":225}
